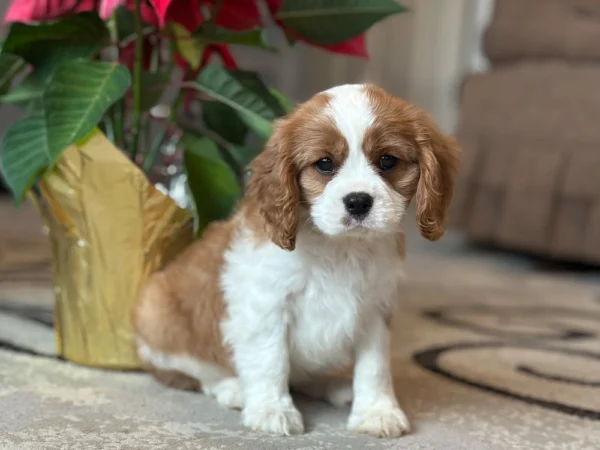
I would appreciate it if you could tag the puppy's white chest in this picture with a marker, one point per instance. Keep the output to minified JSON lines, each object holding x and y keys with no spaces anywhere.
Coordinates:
{"x":317,"y":299}
{"x":322,"y":327}
{"x":340,"y":294}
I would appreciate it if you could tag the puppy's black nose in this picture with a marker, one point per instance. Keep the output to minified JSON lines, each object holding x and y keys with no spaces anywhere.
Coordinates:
{"x":358,"y":204}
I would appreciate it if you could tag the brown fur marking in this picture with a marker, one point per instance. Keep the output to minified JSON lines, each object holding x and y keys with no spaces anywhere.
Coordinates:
{"x":283,"y":175}
{"x":180,"y":309}
{"x":412,"y":136}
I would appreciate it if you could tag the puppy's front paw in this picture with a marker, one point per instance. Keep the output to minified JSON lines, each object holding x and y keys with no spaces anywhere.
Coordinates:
{"x":387,"y":422}
{"x":278,"y":421}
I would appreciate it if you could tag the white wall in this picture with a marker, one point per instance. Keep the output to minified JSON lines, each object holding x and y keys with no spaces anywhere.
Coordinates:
{"x":444,"y":46}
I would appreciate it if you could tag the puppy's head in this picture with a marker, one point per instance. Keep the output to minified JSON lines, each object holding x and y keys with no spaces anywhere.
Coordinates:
{"x":352,"y":158}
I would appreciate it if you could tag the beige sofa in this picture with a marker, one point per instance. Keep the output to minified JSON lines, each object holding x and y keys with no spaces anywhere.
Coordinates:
{"x":530,"y":128}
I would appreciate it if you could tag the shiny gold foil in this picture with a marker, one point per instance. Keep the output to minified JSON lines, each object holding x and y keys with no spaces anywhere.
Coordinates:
{"x":109,"y":228}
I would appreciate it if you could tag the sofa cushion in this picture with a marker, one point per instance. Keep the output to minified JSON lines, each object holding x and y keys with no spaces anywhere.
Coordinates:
{"x":542,"y":29}
{"x":530,"y":177}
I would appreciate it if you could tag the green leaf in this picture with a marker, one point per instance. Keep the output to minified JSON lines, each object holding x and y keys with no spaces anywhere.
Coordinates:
{"x":224,"y":121}
{"x":24,"y":154}
{"x":10,"y":65}
{"x":216,"y":35}
{"x":77,"y":96}
{"x":219,"y":84}
{"x":286,"y":103}
{"x":189,"y":48}
{"x":74,"y":101}
{"x":242,"y":155}
{"x":252,"y":81}
{"x":30,"y":90}
{"x":211,"y":181}
{"x":125,"y":23}
{"x":153,"y":87}
{"x":330,"y":22}
{"x":46,"y":45}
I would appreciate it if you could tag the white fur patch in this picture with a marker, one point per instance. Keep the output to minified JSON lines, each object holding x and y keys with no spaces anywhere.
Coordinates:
{"x":351,"y":111}
{"x":227,"y":392}
{"x":207,"y":373}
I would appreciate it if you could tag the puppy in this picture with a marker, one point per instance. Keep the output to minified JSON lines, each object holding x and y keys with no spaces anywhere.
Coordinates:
{"x":303,"y":278}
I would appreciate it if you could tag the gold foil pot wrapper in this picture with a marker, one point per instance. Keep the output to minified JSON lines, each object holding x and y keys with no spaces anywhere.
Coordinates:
{"x":109,"y":229}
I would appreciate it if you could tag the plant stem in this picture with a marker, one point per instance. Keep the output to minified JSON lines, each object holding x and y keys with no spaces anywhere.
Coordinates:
{"x":213,"y":15}
{"x":154,"y":149}
{"x":155,"y":59}
{"x":118,"y":118}
{"x":137,"y":80}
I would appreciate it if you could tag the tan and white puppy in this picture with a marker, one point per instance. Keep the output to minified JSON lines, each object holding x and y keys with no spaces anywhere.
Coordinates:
{"x":305,"y":275}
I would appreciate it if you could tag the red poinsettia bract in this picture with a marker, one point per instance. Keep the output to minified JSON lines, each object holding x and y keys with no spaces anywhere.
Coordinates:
{"x":155,"y":12}
{"x":236,"y":15}
{"x":355,"y":46}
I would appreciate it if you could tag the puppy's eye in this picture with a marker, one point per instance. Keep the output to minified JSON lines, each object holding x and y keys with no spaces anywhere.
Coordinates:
{"x":387,"y":162}
{"x":325,"y":166}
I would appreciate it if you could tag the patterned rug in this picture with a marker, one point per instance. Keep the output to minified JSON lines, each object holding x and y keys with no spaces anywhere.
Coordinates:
{"x":483,"y":359}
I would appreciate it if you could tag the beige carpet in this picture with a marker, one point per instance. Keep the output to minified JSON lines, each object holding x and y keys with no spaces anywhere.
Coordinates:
{"x":484,"y":358}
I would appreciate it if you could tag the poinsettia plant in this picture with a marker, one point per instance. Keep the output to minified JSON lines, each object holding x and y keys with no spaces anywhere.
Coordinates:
{"x":136,"y":69}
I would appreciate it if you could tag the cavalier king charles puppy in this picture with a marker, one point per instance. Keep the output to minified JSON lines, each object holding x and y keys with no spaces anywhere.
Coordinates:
{"x":302,"y":280}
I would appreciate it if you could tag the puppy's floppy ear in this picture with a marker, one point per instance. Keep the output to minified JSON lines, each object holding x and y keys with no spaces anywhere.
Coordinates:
{"x":439,"y":157}
{"x":273,"y":188}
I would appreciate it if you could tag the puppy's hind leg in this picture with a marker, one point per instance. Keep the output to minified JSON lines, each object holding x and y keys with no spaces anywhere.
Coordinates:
{"x":173,"y":379}
{"x":333,"y":390}
{"x":188,"y":373}
{"x":227,"y":392}
{"x":165,"y":343}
